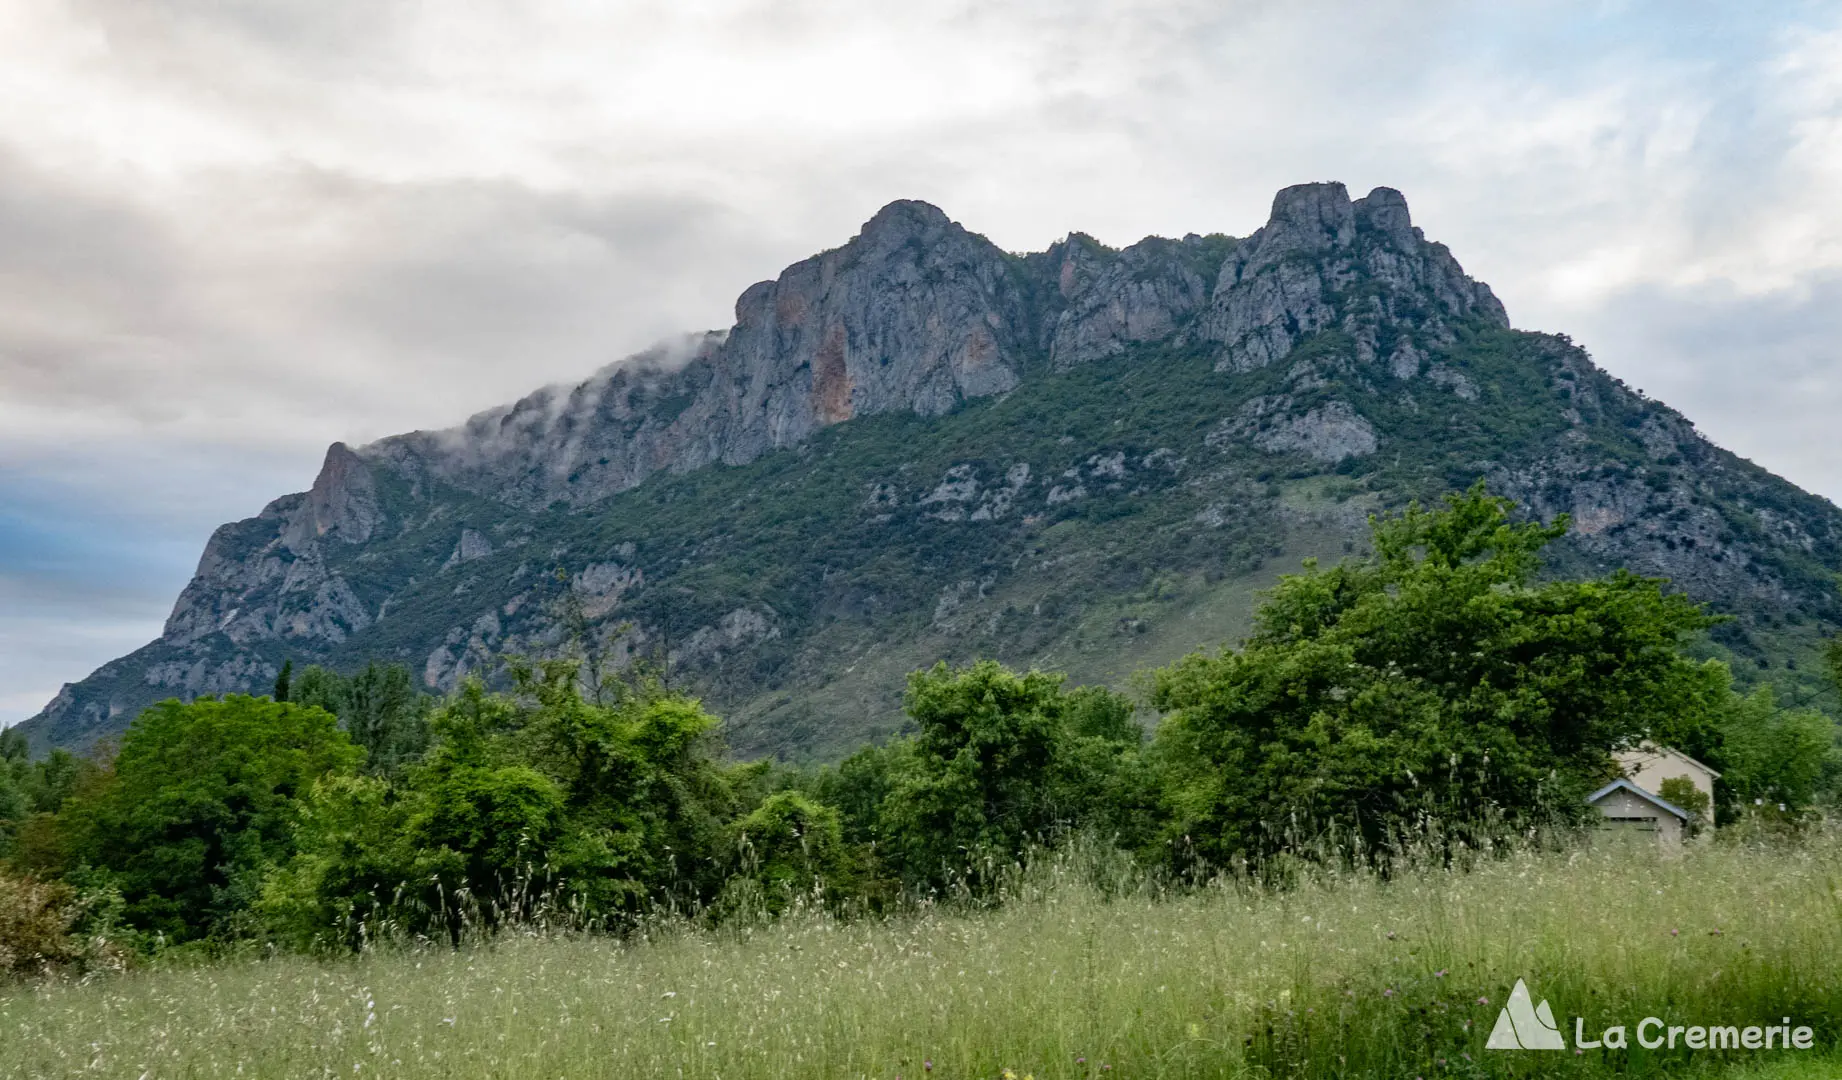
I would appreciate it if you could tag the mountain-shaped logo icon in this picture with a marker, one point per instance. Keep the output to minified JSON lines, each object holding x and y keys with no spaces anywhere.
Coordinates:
{"x":1523,"y":1025}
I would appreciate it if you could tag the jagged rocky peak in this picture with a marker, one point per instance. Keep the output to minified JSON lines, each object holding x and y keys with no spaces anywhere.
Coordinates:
{"x":1305,"y":218}
{"x":902,"y":220}
{"x":914,"y":313}
{"x":1281,"y":284}
{"x":342,"y":502}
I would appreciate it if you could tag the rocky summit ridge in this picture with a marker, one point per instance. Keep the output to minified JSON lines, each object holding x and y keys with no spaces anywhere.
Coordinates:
{"x":894,"y":399}
{"x":915,"y":313}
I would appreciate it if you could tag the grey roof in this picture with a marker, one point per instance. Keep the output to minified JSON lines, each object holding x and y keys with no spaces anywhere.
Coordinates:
{"x":1648,"y":797}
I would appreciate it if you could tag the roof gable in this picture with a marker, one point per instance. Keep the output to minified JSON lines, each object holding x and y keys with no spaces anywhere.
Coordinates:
{"x":1626,"y":785}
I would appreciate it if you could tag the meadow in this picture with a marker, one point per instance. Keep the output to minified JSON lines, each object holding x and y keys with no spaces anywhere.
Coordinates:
{"x":1086,"y":968}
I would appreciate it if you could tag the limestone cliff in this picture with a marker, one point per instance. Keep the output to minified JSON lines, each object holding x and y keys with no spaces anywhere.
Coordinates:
{"x":915,"y":314}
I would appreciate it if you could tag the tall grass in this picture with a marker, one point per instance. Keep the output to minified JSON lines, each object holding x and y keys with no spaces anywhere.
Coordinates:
{"x":1085,"y":971}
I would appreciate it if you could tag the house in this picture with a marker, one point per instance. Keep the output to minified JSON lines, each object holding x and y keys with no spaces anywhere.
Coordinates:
{"x":1634,"y":803}
{"x":1649,"y":765}
{"x":1629,"y":808}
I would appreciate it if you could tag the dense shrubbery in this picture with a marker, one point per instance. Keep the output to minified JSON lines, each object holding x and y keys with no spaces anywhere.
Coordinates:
{"x":1439,"y":680}
{"x":35,"y":922}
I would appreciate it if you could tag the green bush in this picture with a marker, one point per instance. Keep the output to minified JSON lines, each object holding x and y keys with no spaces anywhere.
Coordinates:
{"x":36,"y":918}
{"x":1000,"y":761}
{"x":201,"y":804}
{"x":788,"y":850}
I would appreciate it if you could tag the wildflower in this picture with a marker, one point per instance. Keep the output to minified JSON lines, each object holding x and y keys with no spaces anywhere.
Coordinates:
{"x":927,"y":1065}
{"x":1440,"y":974}
{"x":1390,"y":935}
{"x":1388,"y":992}
{"x":1008,"y":1075}
{"x":1674,"y":932}
{"x":1483,"y":1001}
{"x":1080,"y":1061}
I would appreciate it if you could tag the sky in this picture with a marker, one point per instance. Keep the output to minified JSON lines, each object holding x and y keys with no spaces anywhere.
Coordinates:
{"x":234,"y":231}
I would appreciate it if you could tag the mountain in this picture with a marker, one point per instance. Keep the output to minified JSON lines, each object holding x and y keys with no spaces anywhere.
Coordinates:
{"x":919,"y":446}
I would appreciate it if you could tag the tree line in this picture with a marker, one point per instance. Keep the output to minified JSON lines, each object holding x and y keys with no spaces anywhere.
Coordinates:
{"x":1440,"y":679}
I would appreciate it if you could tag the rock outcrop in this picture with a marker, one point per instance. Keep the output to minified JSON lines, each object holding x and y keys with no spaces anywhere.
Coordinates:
{"x":1146,"y":293}
{"x":914,"y":314}
{"x":1288,"y":281}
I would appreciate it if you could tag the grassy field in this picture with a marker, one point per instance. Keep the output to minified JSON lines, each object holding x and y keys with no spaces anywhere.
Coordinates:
{"x":1344,"y":976}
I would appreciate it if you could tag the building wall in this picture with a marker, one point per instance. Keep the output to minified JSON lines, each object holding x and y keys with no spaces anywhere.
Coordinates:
{"x":1649,"y":767}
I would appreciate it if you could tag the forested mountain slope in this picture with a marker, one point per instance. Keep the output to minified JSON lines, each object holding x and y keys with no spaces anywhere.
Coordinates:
{"x":917,"y":446}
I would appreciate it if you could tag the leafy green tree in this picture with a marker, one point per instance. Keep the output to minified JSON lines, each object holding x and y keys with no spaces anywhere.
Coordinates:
{"x":13,"y":804}
{"x":284,"y":681}
{"x":358,"y":869}
{"x":859,"y":785}
{"x":460,"y":840}
{"x":384,"y":714}
{"x":1774,"y":755}
{"x":34,"y":842}
{"x":647,"y":800}
{"x":1438,"y":677}
{"x":528,"y":804}
{"x":1000,"y":761}
{"x":201,"y":803}
{"x":789,"y":846}
{"x":379,"y":707}
{"x":319,"y":687}
{"x":15,"y":771}
{"x":1682,"y":791}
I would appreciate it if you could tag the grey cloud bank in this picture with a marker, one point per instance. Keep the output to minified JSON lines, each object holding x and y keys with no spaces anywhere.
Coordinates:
{"x":229,"y":237}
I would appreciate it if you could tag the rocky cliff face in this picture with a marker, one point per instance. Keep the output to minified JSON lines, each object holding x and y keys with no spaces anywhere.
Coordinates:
{"x":915,"y":314}
{"x":1179,"y":388}
{"x":1323,"y":261}
{"x":1110,"y":302}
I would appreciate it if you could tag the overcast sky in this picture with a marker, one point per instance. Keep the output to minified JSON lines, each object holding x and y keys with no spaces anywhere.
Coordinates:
{"x":232,"y":232}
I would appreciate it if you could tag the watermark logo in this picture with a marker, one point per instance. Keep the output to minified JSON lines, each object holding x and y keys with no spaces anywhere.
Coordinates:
{"x":1524,"y":1025}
